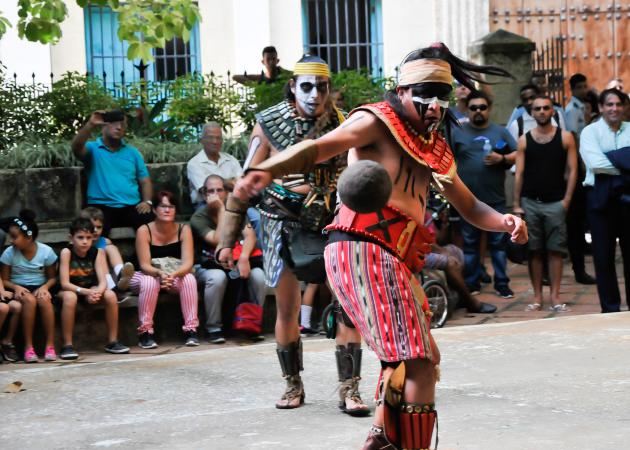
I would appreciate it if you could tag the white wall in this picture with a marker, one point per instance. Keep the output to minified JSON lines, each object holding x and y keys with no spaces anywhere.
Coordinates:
{"x":20,"y":56}
{"x":216,"y":35}
{"x":460,"y":22}
{"x":69,"y":53}
{"x":286,"y":30}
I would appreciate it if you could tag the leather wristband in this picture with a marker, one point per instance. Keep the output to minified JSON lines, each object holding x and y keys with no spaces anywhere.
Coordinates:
{"x":231,"y":223}
{"x":299,"y":158}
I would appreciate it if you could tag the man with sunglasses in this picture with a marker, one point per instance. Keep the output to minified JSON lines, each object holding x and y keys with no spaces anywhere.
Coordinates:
{"x":543,"y":195}
{"x":210,"y":161}
{"x":484,"y":151}
{"x":294,"y":209}
{"x":371,"y":256}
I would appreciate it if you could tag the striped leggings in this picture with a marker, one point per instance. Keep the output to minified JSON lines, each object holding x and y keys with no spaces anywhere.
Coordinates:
{"x":148,"y":289}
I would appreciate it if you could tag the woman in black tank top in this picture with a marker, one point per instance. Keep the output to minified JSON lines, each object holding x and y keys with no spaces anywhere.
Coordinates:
{"x":165,"y":253}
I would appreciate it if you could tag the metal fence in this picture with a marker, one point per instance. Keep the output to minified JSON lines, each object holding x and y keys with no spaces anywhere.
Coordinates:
{"x":547,"y":62}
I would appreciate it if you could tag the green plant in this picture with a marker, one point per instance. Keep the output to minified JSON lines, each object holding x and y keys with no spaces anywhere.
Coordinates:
{"x":32,"y":151}
{"x":159,"y":151}
{"x":258,"y":97}
{"x":237,"y":146}
{"x":353,"y":88}
{"x":72,"y":100}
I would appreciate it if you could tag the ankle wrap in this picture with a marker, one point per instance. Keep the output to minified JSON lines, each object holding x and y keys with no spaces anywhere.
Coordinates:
{"x":349,"y":361}
{"x":416,"y":425}
{"x":290,"y":357}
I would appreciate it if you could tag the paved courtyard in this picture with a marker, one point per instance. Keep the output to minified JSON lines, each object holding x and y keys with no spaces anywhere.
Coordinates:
{"x":508,"y":383}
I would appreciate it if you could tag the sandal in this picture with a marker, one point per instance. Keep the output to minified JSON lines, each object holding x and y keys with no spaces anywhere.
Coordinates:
{"x":559,"y":308}
{"x":533,"y":307}
{"x":293,"y":396}
{"x":350,"y":400}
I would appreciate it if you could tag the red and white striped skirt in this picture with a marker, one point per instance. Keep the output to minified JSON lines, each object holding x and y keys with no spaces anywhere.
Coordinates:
{"x":375,"y":290}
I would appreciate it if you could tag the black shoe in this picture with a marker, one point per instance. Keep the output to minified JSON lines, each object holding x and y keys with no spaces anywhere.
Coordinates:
{"x":306,"y":331}
{"x":545,"y":281}
{"x":257,"y":337}
{"x":474,"y":289}
{"x":9,"y":353}
{"x":147,"y":340}
{"x":117,"y":348}
{"x":504,"y":291}
{"x":216,"y":337}
{"x":584,"y":278}
{"x":191,"y":339}
{"x":484,"y":308}
{"x":485,"y":278}
{"x":68,"y":353}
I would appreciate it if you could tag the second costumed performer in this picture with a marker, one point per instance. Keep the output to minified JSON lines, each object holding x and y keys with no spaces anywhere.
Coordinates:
{"x":373,"y":250}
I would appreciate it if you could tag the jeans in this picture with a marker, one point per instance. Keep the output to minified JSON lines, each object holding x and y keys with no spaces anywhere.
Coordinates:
{"x":472,"y":266}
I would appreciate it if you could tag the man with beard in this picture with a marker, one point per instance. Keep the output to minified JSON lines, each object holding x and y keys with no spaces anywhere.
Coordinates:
{"x":540,"y":188}
{"x":522,"y":119}
{"x":483,"y":151}
{"x":294,"y":210}
{"x":371,"y":256}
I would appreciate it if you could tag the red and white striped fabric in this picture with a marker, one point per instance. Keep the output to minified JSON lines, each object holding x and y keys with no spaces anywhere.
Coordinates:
{"x":374,"y":289}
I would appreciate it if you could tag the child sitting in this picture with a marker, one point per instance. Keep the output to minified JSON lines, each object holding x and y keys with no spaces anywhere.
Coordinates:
{"x":122,"y":271}
{"x":29,"y":270}
{"x":9,"y":306}
{"x":82,"y":271}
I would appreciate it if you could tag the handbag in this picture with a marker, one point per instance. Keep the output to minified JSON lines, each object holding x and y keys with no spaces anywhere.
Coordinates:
{"x":303,"y":252}
{"x":168,"y":264}
{"x":248,"y":315}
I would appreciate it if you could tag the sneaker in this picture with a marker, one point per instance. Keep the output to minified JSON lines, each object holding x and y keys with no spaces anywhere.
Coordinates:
{"x":68,"y":352}
{"x":50,"y":355}
{"x":474,"y":289}
{"x":257,"y":337}
{"x":117,"y":348}
{"x":147,"y":340}
{"x":191,"y":339}
{"x":504,"y":292}
{"x":485,"y":278}
{"x":124,"y":277}
{"x":216,"y":337}
{"x":9,"y":353}
{"x":560,"y":308}
{"x":30,"y":356}
{"x":306,"y":331}
{"x":584,"y":278}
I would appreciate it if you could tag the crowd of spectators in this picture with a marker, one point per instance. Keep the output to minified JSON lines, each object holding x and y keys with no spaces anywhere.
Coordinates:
{"x":568,"y":164}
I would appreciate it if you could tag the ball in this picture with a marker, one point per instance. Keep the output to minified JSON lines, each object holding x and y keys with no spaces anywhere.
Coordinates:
{"x":364,"y":186}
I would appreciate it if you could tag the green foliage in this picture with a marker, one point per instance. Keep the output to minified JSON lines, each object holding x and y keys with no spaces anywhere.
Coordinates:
{"x":200,"y":99}
{"x":32,"y":151}
{"x":261,"y":96}
{"x":145,"y":24}
{"x":354,"y":88}
{"x":237,"y":146}
{"x":72,"y":100}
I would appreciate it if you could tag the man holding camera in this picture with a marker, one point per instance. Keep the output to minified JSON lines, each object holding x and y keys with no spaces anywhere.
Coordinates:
{"x":118,"y":180}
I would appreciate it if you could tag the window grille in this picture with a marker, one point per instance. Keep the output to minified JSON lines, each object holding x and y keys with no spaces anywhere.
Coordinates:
{"x":107,"y":56}
{"x":345,"y":33}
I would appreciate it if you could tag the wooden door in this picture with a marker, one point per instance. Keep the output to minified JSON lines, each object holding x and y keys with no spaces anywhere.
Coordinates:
{"x":622,"y":42}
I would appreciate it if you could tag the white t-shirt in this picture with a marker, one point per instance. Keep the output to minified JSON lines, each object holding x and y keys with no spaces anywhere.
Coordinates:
{"x":29,"y":272}
{"x":200,"y":167}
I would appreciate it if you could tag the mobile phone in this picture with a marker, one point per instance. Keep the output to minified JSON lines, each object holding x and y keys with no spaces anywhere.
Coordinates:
{"x":113,"y":116}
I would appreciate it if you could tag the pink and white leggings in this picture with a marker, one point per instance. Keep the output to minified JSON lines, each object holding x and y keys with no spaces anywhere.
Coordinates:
{"x":148,"y":289}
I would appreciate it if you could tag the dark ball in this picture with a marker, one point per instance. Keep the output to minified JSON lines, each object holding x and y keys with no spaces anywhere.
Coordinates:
{"x":364,"y":186}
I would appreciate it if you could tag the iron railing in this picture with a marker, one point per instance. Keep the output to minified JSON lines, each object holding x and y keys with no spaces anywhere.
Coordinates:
{"x":548,"y":62}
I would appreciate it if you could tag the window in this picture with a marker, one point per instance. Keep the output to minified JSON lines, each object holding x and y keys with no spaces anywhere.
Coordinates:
{"x":107,"y":56}
{"x":345,"y":33}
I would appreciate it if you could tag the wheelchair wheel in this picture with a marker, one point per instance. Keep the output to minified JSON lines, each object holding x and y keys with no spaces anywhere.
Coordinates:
{"x":437,"y":296}
{"x":329,"y":324}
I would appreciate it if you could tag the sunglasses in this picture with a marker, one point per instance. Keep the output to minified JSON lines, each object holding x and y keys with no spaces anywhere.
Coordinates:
{"x":542,"y":108}
{"x":322,"y":87}
{"x":475,"y":108}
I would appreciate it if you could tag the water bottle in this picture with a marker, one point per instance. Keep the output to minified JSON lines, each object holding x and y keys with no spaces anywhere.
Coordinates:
{"x":234,"y":274}
{"x":487,"y":148}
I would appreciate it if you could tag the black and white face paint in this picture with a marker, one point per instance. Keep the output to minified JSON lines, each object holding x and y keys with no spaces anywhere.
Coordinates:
{"x":311,"y":93}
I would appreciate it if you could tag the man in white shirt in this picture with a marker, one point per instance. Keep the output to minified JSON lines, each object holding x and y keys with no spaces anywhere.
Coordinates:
{"x":211,"y":161}
{"x":574,"y":110}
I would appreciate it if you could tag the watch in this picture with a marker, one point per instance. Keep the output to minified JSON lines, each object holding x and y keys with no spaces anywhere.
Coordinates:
{"x":149,"y":202}
{"x":79,"y":290}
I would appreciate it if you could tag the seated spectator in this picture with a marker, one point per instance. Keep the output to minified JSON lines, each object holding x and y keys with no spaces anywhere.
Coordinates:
{"x":82,"y":270}
{"x":210,"y":274}
{"x":115,"y":172}
{"x":210,"y":161}
{"x":165,"y":254}
{"x":12,"y":308}
{"x":122,"y":271}
{"x":29,"y":271}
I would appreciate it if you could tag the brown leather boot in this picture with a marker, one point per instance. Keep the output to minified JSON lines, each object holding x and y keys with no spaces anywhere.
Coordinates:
{"x":293,"y":396}
{"x":290,"y":358}
{"x":350,"y":400}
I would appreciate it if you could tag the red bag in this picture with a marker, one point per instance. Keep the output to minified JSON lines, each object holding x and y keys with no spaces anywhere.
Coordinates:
{"x":248,"y":318}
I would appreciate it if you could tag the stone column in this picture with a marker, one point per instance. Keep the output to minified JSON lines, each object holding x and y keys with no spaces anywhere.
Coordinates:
{"x":511,"y":52}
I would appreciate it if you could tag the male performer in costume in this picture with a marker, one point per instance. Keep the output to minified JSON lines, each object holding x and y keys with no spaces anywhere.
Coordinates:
{"x":371,"y":256}
{"x":298,"y":205}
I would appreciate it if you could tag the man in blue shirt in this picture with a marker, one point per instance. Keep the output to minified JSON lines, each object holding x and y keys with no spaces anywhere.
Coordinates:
{"x":483,"y":152}
{"x":118,"y":179}
{"x":608,"y":205}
